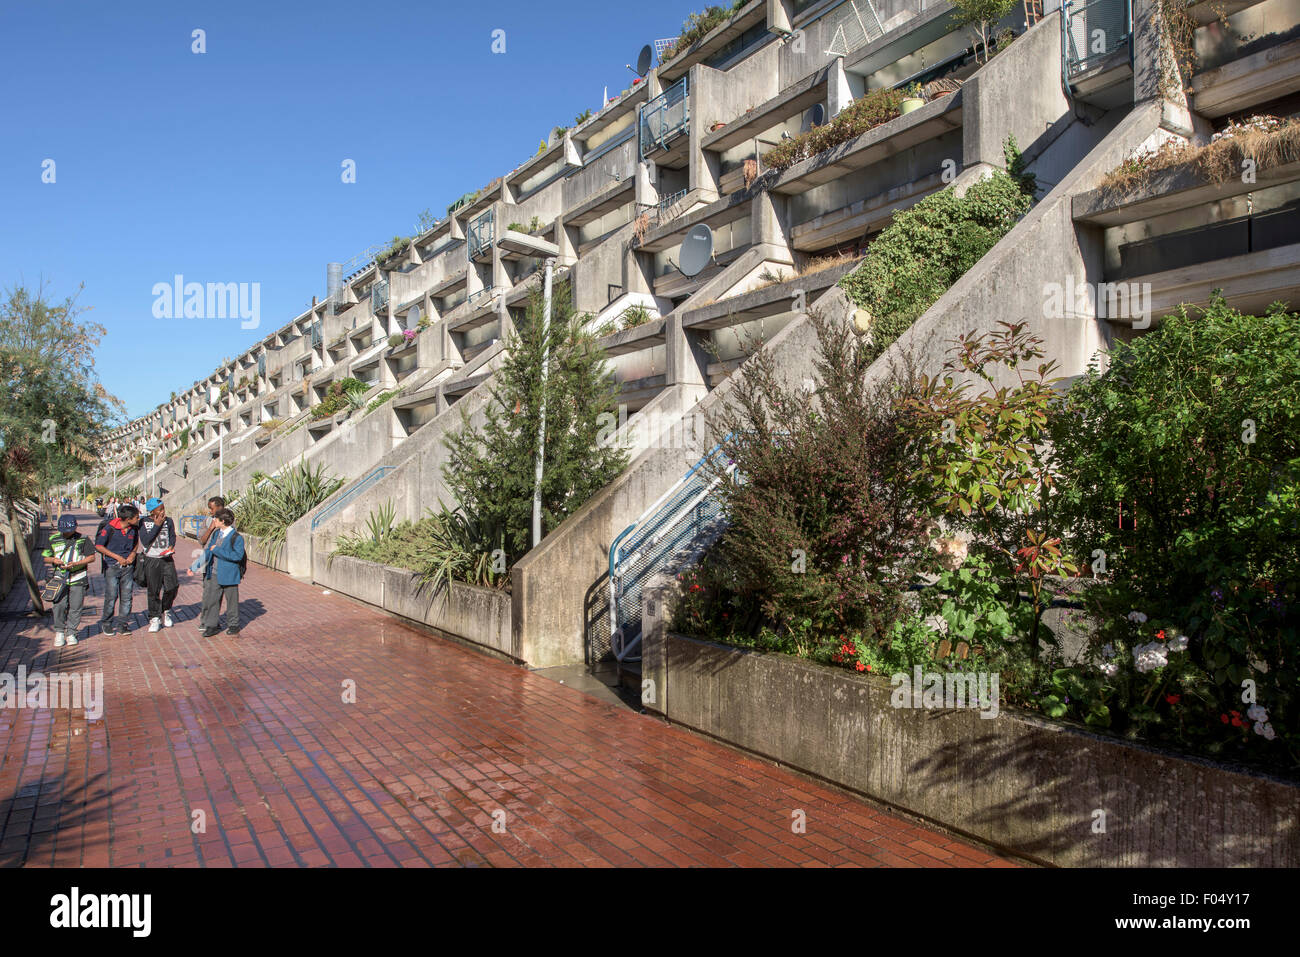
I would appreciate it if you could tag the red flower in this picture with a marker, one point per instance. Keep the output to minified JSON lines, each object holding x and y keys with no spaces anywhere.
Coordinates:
{"x":1173,"y":698}
{"x":1161,"y":634}
{"x":861,"y":666}
{"x":1223,"y":718}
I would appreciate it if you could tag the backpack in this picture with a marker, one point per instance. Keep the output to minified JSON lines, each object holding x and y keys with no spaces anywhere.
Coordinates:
{"x":103,"y":524}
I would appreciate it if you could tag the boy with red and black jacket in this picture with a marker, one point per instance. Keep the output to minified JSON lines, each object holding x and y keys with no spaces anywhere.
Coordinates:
{"x":118,"y":541}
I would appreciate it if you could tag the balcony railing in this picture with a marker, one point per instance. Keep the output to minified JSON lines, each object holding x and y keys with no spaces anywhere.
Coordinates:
{"x":1091,"y":31}
{"x":482,"y":232}
{"x":664,"y":118}
{"x":379,"y":296}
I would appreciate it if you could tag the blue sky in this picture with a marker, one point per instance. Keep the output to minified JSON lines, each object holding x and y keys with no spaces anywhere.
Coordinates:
{"x":225,"y":166}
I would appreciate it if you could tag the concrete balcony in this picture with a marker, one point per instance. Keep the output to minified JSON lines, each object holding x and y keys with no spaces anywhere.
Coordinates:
{"x":1245,"y":82}
{"x":901,"y":133}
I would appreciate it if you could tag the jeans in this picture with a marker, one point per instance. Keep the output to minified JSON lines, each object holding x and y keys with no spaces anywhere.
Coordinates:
{"x":118,"y":583}
{"x":213,"y":593}
{"x":161,"y":583}
{"x":67,"y":610}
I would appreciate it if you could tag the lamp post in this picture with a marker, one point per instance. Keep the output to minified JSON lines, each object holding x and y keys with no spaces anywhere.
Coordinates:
{"x":541,"y":424}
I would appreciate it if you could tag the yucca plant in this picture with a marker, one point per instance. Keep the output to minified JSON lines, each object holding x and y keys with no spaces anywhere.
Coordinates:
{"x":267,"y":510}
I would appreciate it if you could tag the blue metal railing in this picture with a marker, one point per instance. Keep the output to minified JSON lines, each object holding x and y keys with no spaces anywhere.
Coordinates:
{"x":482,"y":232}
{"x":193,"y":524}
{"x":320,"y":517}
{"x":379,"y":296}
{"x":1091,"y":31}
{"x":676,"y":523}
{"x":665,"y":117}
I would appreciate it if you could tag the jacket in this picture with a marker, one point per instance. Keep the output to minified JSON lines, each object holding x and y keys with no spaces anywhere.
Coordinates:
{"x":224,"y":557}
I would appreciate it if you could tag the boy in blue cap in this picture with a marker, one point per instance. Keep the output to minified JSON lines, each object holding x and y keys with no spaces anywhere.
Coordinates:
{"x":70,"y":552}
{"x":158,"y":549}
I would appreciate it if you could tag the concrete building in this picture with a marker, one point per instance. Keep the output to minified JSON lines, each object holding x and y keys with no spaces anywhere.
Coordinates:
{"x":612,"y":199}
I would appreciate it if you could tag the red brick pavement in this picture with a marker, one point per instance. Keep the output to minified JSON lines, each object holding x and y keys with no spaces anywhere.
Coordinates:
{"x":254,"y":733}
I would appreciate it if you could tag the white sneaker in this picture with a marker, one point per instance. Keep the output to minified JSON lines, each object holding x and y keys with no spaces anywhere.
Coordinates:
{"x":167,"y":619}
{"x":58,"y":639}
{"x":155,"y":624}
{"x":72,"y":638}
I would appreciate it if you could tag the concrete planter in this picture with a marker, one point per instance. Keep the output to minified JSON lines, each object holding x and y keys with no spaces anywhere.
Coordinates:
{"x":259,"y":554}
{"x":478,"y":615}
{"x":1046,"y":791}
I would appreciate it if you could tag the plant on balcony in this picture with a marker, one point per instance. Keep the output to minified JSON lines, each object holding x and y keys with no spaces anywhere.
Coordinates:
{"x":396,"y":247}
{"x":516,"y":226}
{"x":379,"y":400}
{"x":1268,"y":141}
{"x":863,"y":114}
{"x":983,"y":16}
{"x":928,"y":247}
{"x":489,"y":470}
{"x":582,"y":117}
{"x":699,"y":25}
{"x":397,"y":341}
{"x":341,"y":397}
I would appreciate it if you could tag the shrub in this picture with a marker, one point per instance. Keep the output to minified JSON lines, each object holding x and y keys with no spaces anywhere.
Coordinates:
{"x":928,"y":247}
{"x":698,"y":25}
{"x":267,"y":510}
{"x":1194,"y":432}
{"x":379,"y":400}
{"x":826,"y":530}
{"x":863,"y":114}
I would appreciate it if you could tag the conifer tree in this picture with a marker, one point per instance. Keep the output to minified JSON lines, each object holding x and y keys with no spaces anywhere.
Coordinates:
{"x":490,"y":470}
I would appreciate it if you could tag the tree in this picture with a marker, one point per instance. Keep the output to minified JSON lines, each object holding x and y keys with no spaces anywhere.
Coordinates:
{"x":983,"y":15}
{"x":55,"y":409}
{"x":490,"y":470}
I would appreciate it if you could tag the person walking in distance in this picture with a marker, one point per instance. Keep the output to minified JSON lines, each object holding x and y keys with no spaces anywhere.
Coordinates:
{"x":118,"y":542}
{"x":224,"y":562}
{"x":71,"y":553}
{"x":158,"y":548}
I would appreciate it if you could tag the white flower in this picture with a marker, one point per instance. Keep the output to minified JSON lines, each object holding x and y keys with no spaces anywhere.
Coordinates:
{"x":1177,"y":643}
{"x":1266,"y":730}
{"x":1137,"y":617}
{"x":1149,"y":657}
{"x":1257,"y":714}
{"x":1108,"y":650}
{"x":1108,"y":668}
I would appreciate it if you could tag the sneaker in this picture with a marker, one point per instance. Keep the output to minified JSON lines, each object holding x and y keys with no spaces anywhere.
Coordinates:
{"x":167,"y":620}
{"x":58,"y":639}
{"x":232,"y":631}
{"x":108,"y":630}
{"x":155,"y":624}
{"x":72,"y":639}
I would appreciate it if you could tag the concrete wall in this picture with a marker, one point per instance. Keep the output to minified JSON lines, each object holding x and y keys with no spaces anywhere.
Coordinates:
{"x":10,"y":569}
{"x":480,"y":615}
{"x":1015,"y":781}
{"x":259,"y":553}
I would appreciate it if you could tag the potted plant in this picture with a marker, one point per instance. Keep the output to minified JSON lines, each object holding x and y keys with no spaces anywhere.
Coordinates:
{"x":912,"y":98}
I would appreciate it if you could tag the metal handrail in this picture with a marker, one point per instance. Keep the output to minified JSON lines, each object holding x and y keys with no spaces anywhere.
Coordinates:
{"x":482,"y":232}
{"x":648,"y":539}
{"x":1091,"y":31}
{"x":659,"y":121}
{"x":350,"y":494}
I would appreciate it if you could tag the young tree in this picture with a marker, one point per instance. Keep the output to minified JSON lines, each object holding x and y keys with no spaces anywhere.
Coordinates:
{"x":983,"y":16}
{"x":55,"y":410}
{"x":491,"y":470}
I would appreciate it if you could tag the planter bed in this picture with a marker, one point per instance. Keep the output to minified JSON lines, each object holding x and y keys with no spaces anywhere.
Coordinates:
{"x":1023,"y":784}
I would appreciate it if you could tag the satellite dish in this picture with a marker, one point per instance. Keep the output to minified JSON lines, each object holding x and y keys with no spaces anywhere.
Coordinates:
{"x":643,"y":60}
{"x":818,"y":115}
{"x":697,"y":250}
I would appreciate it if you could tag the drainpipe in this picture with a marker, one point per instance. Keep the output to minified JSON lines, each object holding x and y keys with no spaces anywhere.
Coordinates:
{"x":541,"y":425}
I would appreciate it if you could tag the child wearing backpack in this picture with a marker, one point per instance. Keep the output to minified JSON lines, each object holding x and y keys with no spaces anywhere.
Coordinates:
{"x":224,"y":563}
{"x":69,"y":552}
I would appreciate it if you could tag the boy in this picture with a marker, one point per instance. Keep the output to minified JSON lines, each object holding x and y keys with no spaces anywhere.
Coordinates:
{"x":71,"y":552}
{"x":158,"y":546}
{"x":118,"y":542}
{"x":223,"y":562}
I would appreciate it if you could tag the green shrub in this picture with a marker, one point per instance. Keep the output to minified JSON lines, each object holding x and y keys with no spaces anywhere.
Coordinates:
{"x":1193,"y":430}
{"x":863,"y":114}
{"x":927,"y":248}
{"x":827,"y":529}
{"x":379,"y":400}
{"x":698,"y":25}
{"x":443,"y":547}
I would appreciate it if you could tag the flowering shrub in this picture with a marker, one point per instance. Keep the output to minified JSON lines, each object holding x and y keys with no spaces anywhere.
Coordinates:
{"x":863,"y":114}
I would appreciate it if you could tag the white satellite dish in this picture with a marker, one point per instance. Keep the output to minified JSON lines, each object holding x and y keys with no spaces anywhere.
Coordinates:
{"x":697,"y":251}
